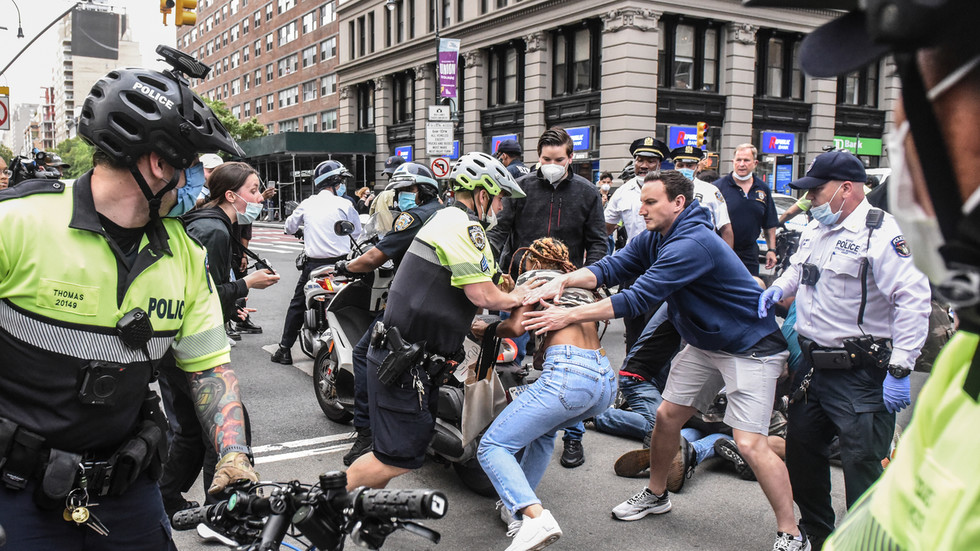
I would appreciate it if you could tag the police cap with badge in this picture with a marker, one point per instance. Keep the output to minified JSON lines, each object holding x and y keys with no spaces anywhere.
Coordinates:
{"x":687,"y":153}
{"x":649,"y":147}
{"x":832,"y":166}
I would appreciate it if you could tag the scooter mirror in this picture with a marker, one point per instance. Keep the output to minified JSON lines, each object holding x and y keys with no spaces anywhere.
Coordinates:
{"x":343,"y":227}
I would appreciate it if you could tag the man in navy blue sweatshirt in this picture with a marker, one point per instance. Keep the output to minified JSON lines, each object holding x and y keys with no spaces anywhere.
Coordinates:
{"x":712,"y":302}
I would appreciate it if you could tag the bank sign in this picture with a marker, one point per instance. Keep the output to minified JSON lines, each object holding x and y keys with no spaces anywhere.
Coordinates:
{"x":778,"y":143}
{"x":581,"y":138}
{"x":859,"y":146}
{"x":680,"y":136}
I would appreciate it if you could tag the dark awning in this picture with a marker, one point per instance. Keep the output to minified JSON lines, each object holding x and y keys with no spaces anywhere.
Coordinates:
{"x":335,"y":143}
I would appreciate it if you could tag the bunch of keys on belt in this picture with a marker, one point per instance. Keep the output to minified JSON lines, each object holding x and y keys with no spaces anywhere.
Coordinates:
{"x":419,"y":387}
{"x":77,"y":511}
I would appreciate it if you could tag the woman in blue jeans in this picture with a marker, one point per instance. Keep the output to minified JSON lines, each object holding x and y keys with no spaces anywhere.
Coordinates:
{"x":577,"y":383}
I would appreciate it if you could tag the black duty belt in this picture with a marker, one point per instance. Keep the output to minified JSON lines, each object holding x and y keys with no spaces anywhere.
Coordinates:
{"x":857,"y":352}
{"x":404,"y":355}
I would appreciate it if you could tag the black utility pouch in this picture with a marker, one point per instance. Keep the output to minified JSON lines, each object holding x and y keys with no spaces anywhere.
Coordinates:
{"x":58,"y":479}
{"x":869,"y":351}
{"x":831,"y":359}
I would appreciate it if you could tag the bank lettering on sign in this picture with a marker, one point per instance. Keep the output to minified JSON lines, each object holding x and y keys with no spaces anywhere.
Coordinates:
{"x":778,"y":143}
{"x":680,"y":136}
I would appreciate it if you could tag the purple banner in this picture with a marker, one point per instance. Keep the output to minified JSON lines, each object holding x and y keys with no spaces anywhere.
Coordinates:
{"x":448,"y":57}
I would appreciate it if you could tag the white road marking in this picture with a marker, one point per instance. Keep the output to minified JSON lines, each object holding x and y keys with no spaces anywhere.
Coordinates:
{"x":305,"y":453}
{"x":278,"y":248}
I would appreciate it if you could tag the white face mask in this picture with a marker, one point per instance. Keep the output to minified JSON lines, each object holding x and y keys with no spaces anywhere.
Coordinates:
{"x":745,"y":178}
{"x":604,"y":187}
{"x":553,"y":173}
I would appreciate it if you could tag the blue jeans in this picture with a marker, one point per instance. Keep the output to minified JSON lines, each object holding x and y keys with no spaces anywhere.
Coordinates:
{"x":643,"y":398}
{"x":576,"y":384}
{"x":704,"y":446}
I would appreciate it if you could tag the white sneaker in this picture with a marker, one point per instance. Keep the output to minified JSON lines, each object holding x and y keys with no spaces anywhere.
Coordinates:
{"x":641,"y":505}
{"x":209,"y":534}
{"x":512,"y":521}
{"x":787,"y":542}
{"x":536,"y":533}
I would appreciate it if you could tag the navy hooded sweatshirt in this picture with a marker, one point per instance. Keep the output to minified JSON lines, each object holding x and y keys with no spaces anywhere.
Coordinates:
{"x":712,"y":297}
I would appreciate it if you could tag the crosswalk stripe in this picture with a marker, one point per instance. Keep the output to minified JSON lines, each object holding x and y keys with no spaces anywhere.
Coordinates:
{"x":276,"y":248}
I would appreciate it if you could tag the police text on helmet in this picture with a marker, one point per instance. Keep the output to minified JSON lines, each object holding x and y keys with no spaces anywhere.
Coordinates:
{"x":154,"y":95}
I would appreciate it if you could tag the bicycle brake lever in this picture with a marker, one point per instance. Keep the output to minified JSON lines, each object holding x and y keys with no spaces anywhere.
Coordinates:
{"x":418,"y":530}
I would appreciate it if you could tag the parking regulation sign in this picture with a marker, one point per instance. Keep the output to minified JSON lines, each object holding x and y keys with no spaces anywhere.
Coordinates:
{"x":4,"y":112}
{"x":440,"y":167}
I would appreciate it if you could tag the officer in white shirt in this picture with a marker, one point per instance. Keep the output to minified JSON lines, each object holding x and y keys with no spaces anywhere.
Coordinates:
{"x":862,"y":312}
{"x":624,"y":206}
{"x":686,"y":159}
{"x":317,"y":214}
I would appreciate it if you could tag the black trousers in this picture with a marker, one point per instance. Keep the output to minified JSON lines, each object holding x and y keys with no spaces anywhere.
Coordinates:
{"x":844,"y":403}
{"x":297,"y":306}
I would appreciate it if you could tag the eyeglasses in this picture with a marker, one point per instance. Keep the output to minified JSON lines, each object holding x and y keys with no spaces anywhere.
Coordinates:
{"x":7,"y":173}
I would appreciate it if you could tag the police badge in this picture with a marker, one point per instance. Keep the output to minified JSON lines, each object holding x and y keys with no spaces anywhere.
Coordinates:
{"x":478,"y":238}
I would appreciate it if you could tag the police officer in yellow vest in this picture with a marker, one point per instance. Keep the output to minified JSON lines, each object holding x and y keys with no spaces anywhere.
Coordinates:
{"x":448,"y":272}
{"x":929,"y":495}
{"x":96,"y":286}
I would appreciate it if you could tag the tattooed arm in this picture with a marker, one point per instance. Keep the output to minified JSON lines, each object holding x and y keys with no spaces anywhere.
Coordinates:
{"x":219,"y":407}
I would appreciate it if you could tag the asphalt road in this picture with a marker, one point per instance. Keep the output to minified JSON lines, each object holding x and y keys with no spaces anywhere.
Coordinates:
{"x":293,"y":440}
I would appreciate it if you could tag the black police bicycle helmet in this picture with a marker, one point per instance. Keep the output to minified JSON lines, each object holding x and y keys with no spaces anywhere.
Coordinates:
{"x":414,"y":174}
{"x":330,"y":174}
{"x":131,"y":112}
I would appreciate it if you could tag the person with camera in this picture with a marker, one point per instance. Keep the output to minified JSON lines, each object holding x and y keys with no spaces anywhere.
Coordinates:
{"x":862,"y":315}
{"x":447,"y":274}
{"x":234,"y":199}
{"x":318,"y":215}
{"x":82,"y":437}
{"x":417,"y":195}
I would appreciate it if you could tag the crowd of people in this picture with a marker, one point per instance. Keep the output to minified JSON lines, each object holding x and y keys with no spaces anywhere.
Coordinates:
{"x":124,"y":293}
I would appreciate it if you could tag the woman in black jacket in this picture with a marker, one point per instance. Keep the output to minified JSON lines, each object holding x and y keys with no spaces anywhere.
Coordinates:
{"x":235,"y":198}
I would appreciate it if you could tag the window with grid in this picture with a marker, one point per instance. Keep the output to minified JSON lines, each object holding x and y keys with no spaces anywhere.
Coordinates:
{"x":287,"y":33}
{"x":269,"y":72}
{"x":309,"y":56}
{"x":269,"y":42}
{"x":309,"y":91}
{"x":309,"y":22}
{"x":245,"y":54}
{"x":365,"y":105}
{"x":328,"y":85}
{"x":288,"y":65}
{"x":327,"y":14}
{"x":268,"y":13}
{"x":689,"y":53}
{"x":403,"y":96}
{"x":236,"y":87}
{"x":860,"y":87}
{"x":236,"y":112}
{"x":248,"y":109}
{"x":291,"y":125}
{"x":778,"y":73}
{"x":286,"y":5}
{"x":246,"y":82}
{"x":258,"y":107}
{"x":289,"y":96}
{"x":576,"y":59}
{"x":328,"y":48}
{"x":505,"y":84}
{"x":328,"y":120}
{"x":309,"y":123}
{"x":258,"y":77}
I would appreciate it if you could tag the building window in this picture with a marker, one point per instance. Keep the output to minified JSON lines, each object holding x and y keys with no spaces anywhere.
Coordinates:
{"x":327,"y":14}
{"x":287,"y":33}
{"x":291,"y":125}
{"x":370,"y":30}
{"x":361,"y":37}
{"x":403,"y":96}
{"x":258,"y":19}
{"x":506,"y":72}
{"x":269,"y":41}
{"x":459,"y":10}
{"x":309,"y":56}
{"x":268,"y":13}
{"x":859,"y":87}
{"x":689,"y":53}
{"x":577,"y":59}
{"x":248,"y":109}
{"x":432,"y":15}
{"x":399,"y":23}
{"x":246,"y":82}
{"x":234,"y":33}
{"x":328,"y":120}
{"x":778,"y":73}
{"x":387,"y":29}
{"x":257,"y":46}
{"x":350,"y":27}
{"x":411,"y":19}
{"x":484,"y":6}
{"x":245,"y":54}
{"x":258,"y":77}
{"x":309,"y":91}
{"x":235,"y":60}
{"x":328,"y":85}
{"x":328,"y":48}
{"x":365,"y":105}
{"x":289,"y":96}
{"x":288,"y":65}
{"x":501,"y":4}
{"x":269,"y":73}
{"x":447,"y":11}
{"x":309,"y":123}
{"x":244,"y":26}
{"x":286,"y":5}
{"x":309,"y":22}
{"x":224,"y":38}
{"x":236,"y":112}
{"x":258,"y":107}
{"x":236,"y":87}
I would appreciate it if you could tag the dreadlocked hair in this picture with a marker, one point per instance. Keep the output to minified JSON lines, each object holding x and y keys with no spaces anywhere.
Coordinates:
{"x":551,"y":253}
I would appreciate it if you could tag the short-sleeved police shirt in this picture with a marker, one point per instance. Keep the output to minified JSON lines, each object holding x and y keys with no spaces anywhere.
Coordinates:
{"x":427,"y":301}
{"x":396,"y":242}
{"x":750,"y":212}
{"x":62,"y":292}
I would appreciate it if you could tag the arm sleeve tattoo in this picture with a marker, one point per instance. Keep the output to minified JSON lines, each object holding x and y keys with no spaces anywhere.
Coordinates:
{"x":219,"y":406}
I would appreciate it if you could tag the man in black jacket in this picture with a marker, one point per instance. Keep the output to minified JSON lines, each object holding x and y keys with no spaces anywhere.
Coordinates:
{"x":562,"y":205}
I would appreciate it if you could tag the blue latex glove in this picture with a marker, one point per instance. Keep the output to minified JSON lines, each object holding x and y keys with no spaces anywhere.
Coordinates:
{"x":896,"y":393}
{"x":769,"y":297}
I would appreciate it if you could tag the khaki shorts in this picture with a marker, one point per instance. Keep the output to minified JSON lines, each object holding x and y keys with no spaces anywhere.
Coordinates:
{"x":697,"y":375}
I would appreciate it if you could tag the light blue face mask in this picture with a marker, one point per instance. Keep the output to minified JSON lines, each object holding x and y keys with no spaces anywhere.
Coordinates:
{"x":823,"y":214}
{"x":341,"y":190}
{"x":687,"y":172}
{"x":251,"y":214}
{"x":406,"y":201}
{"x":187,"y":195}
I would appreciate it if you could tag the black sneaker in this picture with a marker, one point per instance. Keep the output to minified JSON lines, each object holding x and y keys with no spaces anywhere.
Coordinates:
{"x":246,"y":326}
{"x":727,"y":449}
{"x":683,"y":466}
{"x":283,"y":356}
{"x":363,"y":444}
{"x":232,"y":333}
{"x":573,"y":455}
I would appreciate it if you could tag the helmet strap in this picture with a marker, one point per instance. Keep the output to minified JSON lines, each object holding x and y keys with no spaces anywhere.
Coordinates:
{"x":156,"y":234}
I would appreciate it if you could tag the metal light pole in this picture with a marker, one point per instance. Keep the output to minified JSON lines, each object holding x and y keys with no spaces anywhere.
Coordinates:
{"x":20,"y":28}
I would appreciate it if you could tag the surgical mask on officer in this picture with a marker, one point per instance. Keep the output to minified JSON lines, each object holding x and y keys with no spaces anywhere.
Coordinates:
{"x":687,"y":172}
{"x":824,"y":213}
{"x":187,"y":195}
{"x":406,"y":201}
{"x":554,"y":173}
{"x":341,"y":190}
{"x":252,"y":211}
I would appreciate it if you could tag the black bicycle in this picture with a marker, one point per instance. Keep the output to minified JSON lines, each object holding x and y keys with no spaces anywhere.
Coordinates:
{"x":318,"y":516}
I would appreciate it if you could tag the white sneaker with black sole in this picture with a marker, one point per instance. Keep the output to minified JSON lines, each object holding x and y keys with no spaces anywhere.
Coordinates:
{"x":642,"y":504}
{"x":788,"y":542}
{"x":536,"y":533}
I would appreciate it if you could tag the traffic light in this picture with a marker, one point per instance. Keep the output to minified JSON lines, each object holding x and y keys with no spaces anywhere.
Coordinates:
{"x":185,"y":12}
{"x":702,"y":131}
{"x":166,"y":7}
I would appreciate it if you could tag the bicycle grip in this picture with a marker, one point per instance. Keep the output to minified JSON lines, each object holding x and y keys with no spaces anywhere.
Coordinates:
{"x":401,"y":504}
{"x":188,"y":519}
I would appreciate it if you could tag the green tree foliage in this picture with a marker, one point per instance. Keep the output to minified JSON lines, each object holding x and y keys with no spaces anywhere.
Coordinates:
{"x":6,"y":153}
{"x":78,"y":154}
{"x":240,"y":131}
